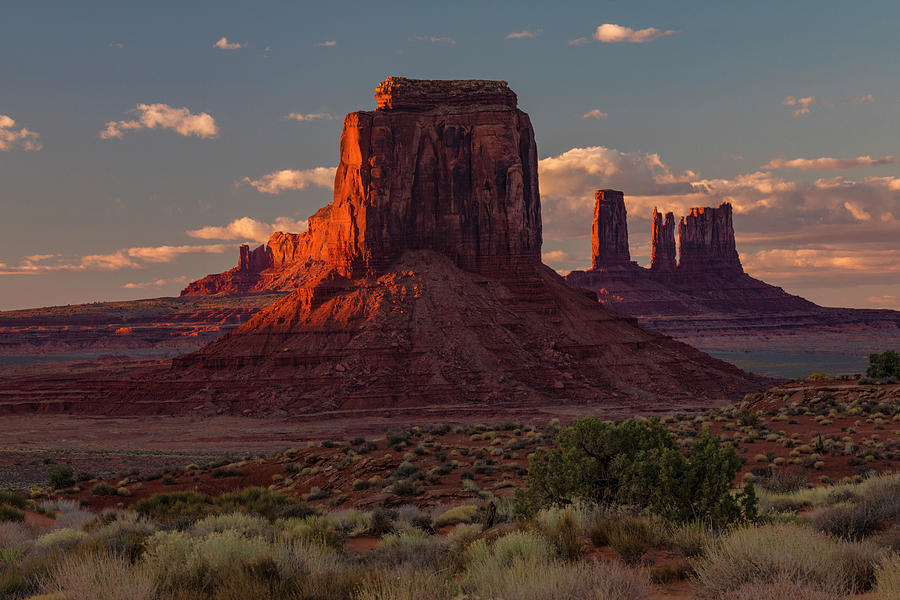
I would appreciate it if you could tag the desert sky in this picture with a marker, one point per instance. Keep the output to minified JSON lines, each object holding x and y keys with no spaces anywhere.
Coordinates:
{"x":142,"y":142}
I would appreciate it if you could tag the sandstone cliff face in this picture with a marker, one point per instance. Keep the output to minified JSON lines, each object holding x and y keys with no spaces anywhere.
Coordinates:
{"x":662,"y":243}
{"x":609,"y":232}
{"x":706,"y":241}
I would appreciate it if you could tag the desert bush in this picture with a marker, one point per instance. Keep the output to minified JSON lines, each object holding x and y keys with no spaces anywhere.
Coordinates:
{"x":561,"y":528}
{"x":314,"y":529}
{"x":862,"y":513}
{"x":411,"y":547}
{"x":124,"y":536}
{"x":103,"y":489}
{"x":783,"y":589}
{"x":61,"y":477}
{"x":64,"y":540}
{"x":786,"y":480}
{"x":92,"y":576}
{"x":636,"y":462}
{"x":458,"y":514}
{"x":690,"y":539}
{"x":14,"y":535}
{"x":261,"y":501}
{"x":461,"y":536}
{"x":775,"y":553}
{"x":14,"y":499}
{"x":484,"y":557}
{"x":244,"y":524}
{"x":630,"y":537}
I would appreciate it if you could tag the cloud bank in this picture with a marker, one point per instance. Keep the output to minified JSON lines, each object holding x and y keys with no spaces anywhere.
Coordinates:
{"x":829,"y":164}
{"x":126,"y":258}
{"x":163,"y":116}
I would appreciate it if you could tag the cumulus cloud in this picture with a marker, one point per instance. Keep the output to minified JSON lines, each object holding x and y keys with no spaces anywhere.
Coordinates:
{"x":611,"y":33}
{"x":246,"y":228}
{"x":326,"y":44}
{"x":803,"y":104}
{"x":224,"y":44}
{"x":126,"y":258}
{"x":595,"y":114}
{"x":525,"y":33}
{"x":12,"y":139}
{"x":310,"y":116}
{"x":155,"y":283}
{"x":435,"y":39}
{"x":163,"y":116}
{"x":293,"y":179}
{"x":829,"y":164}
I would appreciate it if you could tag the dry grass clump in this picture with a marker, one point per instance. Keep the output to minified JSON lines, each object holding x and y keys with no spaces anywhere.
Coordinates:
{"x":887,"y":575}
{"x":782,"y":590}
{"x":90,"y":576}
{"x":527,"y":579}
{"x":784,"y":552}
{"x":458,"y":514}
{"x":412,"y":547}
{"x":630,"y":537}
{"x":404,"y":584}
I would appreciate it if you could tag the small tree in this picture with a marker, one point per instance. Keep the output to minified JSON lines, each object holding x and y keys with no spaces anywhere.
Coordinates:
{"x":886,"y":364}
{"x":636,"y":463}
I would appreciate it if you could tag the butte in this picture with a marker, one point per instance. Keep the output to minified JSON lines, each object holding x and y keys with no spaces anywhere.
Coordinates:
{"x":421,"y":283}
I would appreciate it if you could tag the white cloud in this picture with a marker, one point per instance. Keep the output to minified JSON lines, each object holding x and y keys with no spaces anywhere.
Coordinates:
{"x":435,"y":39}
{"x":224,"y":44}
{"x":326,"y":43}
{"x":525,"y":33}
{"x":829,"y":164}
{"x":611,"y":33}
{"x":156,"y":283}
{"x":163,"y":116}
{"x":246,"y":228}
{"x":292,"y":179}
{"x":803,"y":104}
{"x":126,"y":258}
{"x":11,"y":139}
{"x":595,"y":114}
{"x":310,"y":116}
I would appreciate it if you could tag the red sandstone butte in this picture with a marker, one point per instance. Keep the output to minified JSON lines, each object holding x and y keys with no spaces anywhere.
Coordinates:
{"x":421,"y":283}
{"x":707,"y":284}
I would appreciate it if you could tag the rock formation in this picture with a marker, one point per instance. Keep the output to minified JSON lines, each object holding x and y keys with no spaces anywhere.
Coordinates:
{"x":421,"y":282}
{"x":708,"y":277}
{"x":706,"y":241}
{"x":609,"y":231}
{"x":662,"y":243}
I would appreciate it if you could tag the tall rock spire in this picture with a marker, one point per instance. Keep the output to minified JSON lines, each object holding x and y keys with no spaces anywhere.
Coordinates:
{"x":609,"y":232}
{"x":662,"y":240}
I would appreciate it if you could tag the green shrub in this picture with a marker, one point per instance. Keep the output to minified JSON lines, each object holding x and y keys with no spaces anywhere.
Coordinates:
{"x":64,"y":540}
{"x":886,"y":364}
{"x":13,"y":499}
{"x":61,"y":477}
{"x":89,"y":576}
{"x":636,"y":463}
{"x":103,"y":489}
{"x":261,"y":501}
{"x":412,"y":547}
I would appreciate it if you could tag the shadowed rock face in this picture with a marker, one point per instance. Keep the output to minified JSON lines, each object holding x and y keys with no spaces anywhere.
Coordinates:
{"x":609,"y":232}
{"x":706,"y":240}
{"x":662,"y":240}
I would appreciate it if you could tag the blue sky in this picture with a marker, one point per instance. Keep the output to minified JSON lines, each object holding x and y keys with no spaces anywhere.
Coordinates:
{"x":690,"y":118}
